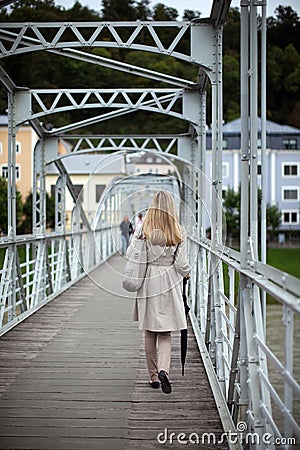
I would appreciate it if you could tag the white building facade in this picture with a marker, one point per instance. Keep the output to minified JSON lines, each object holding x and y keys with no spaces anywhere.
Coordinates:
{"x":283,"y":166}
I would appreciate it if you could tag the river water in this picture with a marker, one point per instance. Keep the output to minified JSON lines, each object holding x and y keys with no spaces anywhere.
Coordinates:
{"x":276,"y":341}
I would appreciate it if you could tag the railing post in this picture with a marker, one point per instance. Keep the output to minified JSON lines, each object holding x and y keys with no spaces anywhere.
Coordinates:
{"x":255,"y":417}
{"x":288,"y":322}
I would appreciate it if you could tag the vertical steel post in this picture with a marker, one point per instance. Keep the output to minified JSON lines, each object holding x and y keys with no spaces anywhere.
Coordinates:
{"x":244,"y":228}
{"x":39,"y":223}
{"x":288,"y":321}
{"x":60,"y":228}
{"x":11,"y":203}
{"x":219,"y":134}
{"x":60,"y":204}
{"x":263,"y":363}
{"x":253,"y":365}
{"x":263,"y":89}
{"x":39,"y":189}
{"x":216,"y":279}
{"x":210,"y":322}
{"x":253,"y":129}
{"x":202,"y":195}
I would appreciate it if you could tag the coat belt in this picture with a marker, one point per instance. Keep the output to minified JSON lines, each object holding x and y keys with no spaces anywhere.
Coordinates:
{"x":160,"y":263}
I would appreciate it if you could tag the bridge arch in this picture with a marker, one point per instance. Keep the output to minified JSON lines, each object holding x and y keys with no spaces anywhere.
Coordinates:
{"x":23,"y":38}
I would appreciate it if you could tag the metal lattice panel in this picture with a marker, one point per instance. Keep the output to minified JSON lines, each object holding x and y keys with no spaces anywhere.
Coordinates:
{"x":34,"y":104}
{"x":21,"y":38}
{"x":115,"y":143}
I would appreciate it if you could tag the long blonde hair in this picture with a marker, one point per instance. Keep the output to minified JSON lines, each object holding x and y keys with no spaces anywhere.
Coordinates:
{"x":161,"y":225}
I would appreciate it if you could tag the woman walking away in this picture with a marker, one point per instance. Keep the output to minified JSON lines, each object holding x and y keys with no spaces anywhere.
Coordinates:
{"x":159,"y":307}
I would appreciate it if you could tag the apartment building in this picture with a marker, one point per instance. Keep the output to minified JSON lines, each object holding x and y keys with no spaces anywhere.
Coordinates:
{"x":283,"y":166}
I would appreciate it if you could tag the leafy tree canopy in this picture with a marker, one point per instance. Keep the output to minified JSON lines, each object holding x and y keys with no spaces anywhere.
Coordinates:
{"x":43,"y":70}
{"x":3,"y":206}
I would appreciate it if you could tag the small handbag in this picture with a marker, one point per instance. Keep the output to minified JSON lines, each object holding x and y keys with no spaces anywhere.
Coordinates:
{"x":136,"y":265}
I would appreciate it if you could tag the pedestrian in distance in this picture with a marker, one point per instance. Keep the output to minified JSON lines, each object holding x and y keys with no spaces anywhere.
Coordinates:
{"x":159,"y":308}
{"x":126,"y":231}
{"x":139,"y":220}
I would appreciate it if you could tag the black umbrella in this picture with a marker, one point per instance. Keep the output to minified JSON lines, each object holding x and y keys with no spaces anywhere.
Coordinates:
{"x":183,"y":333}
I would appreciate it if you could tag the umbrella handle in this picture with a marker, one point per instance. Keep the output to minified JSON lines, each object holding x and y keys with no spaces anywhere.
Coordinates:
{"x":185,"y":280}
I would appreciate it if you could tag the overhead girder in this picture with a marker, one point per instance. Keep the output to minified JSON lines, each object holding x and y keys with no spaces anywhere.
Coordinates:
{"x":17,"y":38}
{"x":123,"y":67}
{"x":33,"y":104}
{"x":138,"y":143}
{"x":7,"y":81}
{"x":219,"y":11}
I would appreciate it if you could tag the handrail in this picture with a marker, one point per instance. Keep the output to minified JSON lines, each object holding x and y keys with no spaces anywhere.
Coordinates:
{"x":49,"y":264}
{"x":236,"y":342}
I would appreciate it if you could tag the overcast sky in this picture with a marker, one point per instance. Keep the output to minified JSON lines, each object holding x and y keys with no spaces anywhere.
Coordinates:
{"x":204,"y":6}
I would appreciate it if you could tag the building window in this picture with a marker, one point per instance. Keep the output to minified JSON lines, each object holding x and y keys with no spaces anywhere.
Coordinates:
{"x":225,"y":170}
{"x":224,"y":191}
{"x":290,"y":193}
{"x":4,"y":172}
{"x":290,"y":217}
{"x":289,"y":144}
{"x":149,"y":159}
{"x":99,"y":191}
{"x":224,"y":144}
{"x":290,"y":170}
{"x":18,"y":147}
{"x":78,"y":189}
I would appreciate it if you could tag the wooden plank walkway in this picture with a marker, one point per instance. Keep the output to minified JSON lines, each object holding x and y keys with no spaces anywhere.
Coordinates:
{"x":73,"y":376}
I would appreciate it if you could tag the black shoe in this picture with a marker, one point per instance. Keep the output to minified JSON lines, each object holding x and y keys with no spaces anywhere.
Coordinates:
{"x":165,"y":383}
{"x":154,"y":384}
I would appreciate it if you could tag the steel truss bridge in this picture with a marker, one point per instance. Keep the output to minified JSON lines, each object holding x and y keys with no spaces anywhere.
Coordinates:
{"x":229,"y":322}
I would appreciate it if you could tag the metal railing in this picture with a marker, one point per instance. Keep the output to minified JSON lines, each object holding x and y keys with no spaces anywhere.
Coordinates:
{"x":35,"y":269}
{"x":231,"y":332}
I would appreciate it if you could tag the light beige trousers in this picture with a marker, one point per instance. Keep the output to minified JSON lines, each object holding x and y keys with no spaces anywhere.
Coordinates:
{"x":158,"y":352}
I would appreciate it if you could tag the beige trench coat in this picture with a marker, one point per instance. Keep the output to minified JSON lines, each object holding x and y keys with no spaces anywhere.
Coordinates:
{"x":159,"y":304}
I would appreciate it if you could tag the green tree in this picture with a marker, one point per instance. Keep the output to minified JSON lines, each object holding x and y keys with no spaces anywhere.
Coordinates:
{"x":143,"y":10}
{"x":231,"y":87}
{"x":232,"y":32}
{"x":284,"y":28}
{"x":114,"y":10}
{"x":231,"y":204}
{"x":163,"y":12}
{"x":190,"y":14}
{"x":3,"y":206}
{"x":273,"y":219}
{"x":28,"y":209}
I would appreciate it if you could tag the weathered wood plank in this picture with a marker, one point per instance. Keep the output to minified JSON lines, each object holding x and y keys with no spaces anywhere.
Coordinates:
{"x":72,"y":373}
{"x":59,"y":443}
{"x":190,"y":409}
